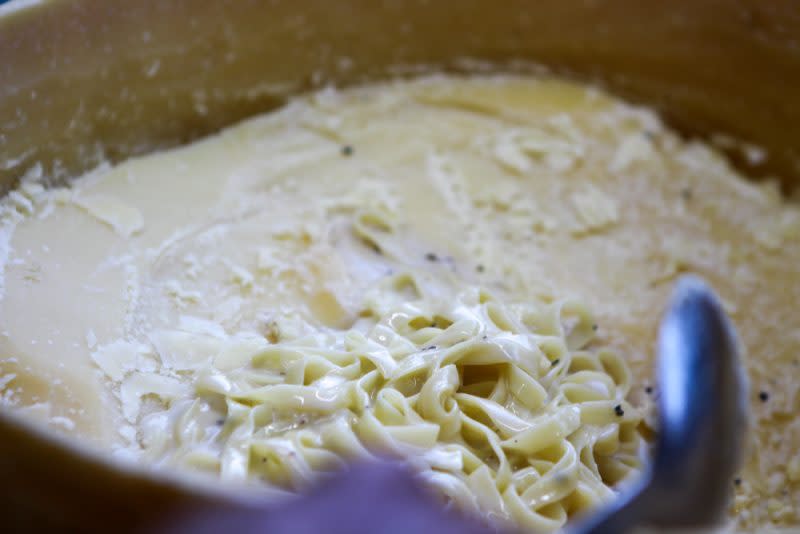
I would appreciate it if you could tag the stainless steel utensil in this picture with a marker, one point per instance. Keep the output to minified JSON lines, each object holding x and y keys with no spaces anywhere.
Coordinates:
{"x":703,"y":411}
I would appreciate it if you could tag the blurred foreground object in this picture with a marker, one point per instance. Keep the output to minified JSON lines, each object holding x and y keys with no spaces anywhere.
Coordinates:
{"x":375,"y":498}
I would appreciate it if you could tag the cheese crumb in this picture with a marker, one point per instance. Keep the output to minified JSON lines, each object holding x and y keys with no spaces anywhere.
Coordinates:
{"x":595,"y":210}
{"x":117,"y":358}
{"x":124,"y":219}
{"x":20,"y":202}
{"x":63,"y":422}
{"x":634,"y":148}
{"x":138,"y":385}
{"x":241,"y":276}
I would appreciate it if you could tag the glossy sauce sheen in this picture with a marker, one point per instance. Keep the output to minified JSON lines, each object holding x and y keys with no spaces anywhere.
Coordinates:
{"x":534,"y":189}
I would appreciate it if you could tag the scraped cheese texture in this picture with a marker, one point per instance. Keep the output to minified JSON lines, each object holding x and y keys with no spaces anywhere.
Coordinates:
{"x":463,"y":272}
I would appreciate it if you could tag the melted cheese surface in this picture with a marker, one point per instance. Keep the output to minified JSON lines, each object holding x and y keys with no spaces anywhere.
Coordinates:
{"x":148,"y":285}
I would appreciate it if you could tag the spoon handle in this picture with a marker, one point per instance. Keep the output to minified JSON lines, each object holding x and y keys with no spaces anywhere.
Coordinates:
{"x":702,"y":421}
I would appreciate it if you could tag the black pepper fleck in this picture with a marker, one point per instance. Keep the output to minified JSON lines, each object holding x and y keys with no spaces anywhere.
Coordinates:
{"x":686,"y":193}
{"x":430,"y":256}
{"x":764,"y":396}
{"x":480,"y":268}
{"x":648,"y":390}
{"x":347,"y":150}
{"x":220,"y":422}
{"x":618,"y":410}
{"x":555,"y":362}
{"x":432,"y":347}
{"x":595,"y":327}
{"x":737,"y":481}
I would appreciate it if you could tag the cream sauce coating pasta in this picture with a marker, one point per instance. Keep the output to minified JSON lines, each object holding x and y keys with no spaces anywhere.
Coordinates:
{"x":503,"y":408}
{"x":465,"y":273}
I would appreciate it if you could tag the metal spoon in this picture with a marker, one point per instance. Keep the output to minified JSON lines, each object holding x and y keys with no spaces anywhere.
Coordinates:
{"x":702,"y":422}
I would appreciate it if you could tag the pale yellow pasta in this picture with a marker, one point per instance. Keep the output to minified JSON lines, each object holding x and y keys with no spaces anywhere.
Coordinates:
{"x":507,"y":409}
{"x":466,"y":272}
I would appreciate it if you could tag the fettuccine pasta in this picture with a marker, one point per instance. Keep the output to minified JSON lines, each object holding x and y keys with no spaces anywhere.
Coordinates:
{"x":462,"y":273}
{"x":503,"y":408}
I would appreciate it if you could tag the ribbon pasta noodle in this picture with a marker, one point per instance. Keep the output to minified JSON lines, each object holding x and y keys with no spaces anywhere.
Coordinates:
{"x":505,"y":409}
{"x":374,"y":272}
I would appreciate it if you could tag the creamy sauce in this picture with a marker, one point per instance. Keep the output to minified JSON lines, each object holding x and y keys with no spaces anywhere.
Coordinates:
{"x":534,"y":189}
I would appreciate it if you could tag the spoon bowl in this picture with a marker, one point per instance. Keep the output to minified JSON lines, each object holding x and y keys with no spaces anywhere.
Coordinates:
{"x":702,"y":421}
